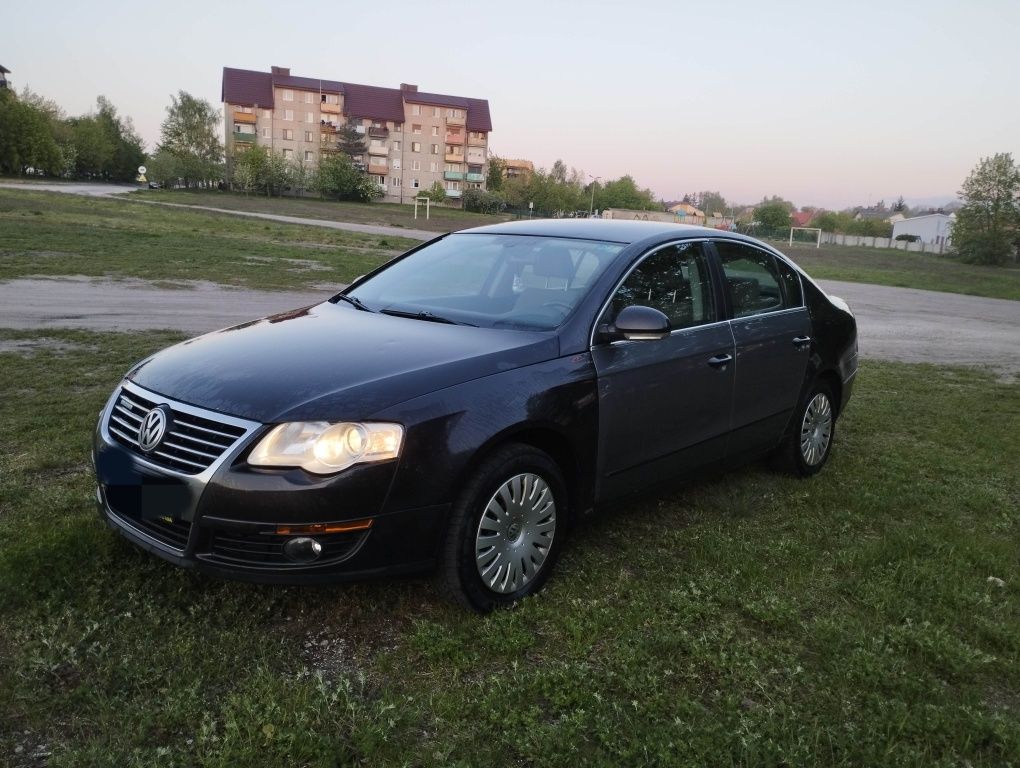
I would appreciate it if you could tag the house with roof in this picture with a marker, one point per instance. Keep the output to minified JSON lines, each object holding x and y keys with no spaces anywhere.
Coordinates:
{"x":3,"y":76}
{"x":412,"y":138}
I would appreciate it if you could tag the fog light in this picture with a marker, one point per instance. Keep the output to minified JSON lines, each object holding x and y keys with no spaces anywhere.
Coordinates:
{"x":302,"y":549}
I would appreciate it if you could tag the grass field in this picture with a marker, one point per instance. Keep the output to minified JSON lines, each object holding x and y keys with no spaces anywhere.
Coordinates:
{"x":886,"y":266}
{"x":389,"y":214}
{"x":750,"y":619}
{"x":48,"y":233}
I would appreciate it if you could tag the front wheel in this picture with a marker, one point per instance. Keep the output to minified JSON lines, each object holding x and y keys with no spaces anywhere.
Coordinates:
{"x":506,"y":529}
{"x":805,"y":451}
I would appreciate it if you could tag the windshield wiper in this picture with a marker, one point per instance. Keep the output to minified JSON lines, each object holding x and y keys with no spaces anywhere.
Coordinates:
{"x":423,"y":315}
{"x":355,"y":301}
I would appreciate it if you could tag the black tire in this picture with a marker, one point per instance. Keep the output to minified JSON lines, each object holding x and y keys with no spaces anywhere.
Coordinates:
{"x":460,"y":575}
{"x":791,"y":457}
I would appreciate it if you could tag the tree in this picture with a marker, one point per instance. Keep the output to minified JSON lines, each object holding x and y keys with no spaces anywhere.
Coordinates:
{"x":772,"y":215}
{"x":249,"y":169}
{"x":480,"y":201}
{"x":494,"y":175}
{"x":92,"y":146}
{"x":988,"y":223}
{"x":900,"y":206}
{"x":126,"y":149}
{"x":190,"y":134}
{"x":436,"y":193}
{"x":338,"y":179}
{"x":26,"y":138}
{"x":624,"y":193}
{"x":350,"y":142}
{"x":712,"y":203}
{"x":162,"y":167}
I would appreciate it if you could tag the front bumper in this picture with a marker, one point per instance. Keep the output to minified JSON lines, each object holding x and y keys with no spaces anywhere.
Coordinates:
{"x":225,"y":519}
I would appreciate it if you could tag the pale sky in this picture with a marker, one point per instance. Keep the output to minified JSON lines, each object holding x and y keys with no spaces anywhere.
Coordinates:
{"x":829,"y":104}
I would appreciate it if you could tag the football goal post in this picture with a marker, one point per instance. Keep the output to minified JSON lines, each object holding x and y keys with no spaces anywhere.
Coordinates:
{"x":816,"y":230}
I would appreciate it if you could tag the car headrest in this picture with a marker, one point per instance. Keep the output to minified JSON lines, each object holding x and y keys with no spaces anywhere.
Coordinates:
{"x":554,"y":261}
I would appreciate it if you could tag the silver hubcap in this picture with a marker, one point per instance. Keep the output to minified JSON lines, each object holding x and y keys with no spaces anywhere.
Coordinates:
{"x":515,"y":533}
{"x":816,"y":430}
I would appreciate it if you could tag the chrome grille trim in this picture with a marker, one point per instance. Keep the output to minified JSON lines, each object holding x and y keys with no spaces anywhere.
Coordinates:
{"x":196,"y":443}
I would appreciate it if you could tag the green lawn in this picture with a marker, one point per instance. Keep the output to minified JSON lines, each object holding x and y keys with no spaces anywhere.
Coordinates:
{"x":440,"y":219}
{"x":49,"y":233}
{"x":750,"y":619}
{"x":886,"y":266}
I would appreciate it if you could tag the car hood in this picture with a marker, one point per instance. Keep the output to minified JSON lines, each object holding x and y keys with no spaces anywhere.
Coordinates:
{"x":332,"y":362}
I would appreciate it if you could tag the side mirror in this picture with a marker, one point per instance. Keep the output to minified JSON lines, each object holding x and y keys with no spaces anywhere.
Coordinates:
{"x":637,"y":323}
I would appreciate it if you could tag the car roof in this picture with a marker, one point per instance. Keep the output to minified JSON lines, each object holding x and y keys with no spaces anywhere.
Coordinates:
{"x":611,"y":230}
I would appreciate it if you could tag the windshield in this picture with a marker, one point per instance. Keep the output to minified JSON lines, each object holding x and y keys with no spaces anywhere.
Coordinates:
{"x":494,"y":281}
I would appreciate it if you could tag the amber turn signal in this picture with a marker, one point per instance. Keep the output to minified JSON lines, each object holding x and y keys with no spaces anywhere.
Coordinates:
{"x":354,"y":525}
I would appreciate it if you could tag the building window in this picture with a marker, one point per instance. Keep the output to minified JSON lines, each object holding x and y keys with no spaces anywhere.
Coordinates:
{"x":309,"y":117}
{"x":435,"y":130}
{"x":288,"y":154}
{"x":395,"y":181}
{"x":435,"y":111}
{"x":396,"y":146}
{"x":288,"y":134}
{"x":398,"y":127}
{"x":435,"y":149}
{"x":288,"y":95}
{"x":416,"y":109}
{"x":378,"y":143}
{"x":265,"y":132}
{"x":267,"y":113}
{"x":244,"y":110}
{"x":415,"y":165}
{"x":309,"y":155}
{"x":330,"y":98}
{"x":434,"y":167}
{"x":308,"y":97}
{"x":415,"y":184}
{"x":288,"y":114}
{"x":308,"y":135}
{"x":453,"y":185}
{"x":415,"y":128}
{"x":416,"y":146}
{"x":395,"y":165}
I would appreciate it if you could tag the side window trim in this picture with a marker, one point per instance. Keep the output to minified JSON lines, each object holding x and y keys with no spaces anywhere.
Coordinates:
{"x":710,"y":259}
{"x":721,"y":277}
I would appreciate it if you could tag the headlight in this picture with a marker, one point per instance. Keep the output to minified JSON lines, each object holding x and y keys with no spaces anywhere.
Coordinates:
{"x":323,"y":448}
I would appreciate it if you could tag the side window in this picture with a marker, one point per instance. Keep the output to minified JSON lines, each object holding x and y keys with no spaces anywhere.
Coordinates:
{"x":673,"y":280}
{"x":752,"y":279}
{"x":791,"y":284}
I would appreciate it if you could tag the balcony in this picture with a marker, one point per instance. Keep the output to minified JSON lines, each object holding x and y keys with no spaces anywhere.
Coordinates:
{"x":455,"y":121}
{"x":453,"y":193}
{"x":382,"y":151}
{"x":377,"y":170}
{"x":244,"y":138}
{"x":325,"y":127}
{"x":244,"y":117}
{"x":475,"y":177}
{"x":475,"y":141}
{"x":455,"y":138}
{"x":329,"y":109}
{"x":454,"y":158}
{"x":453,"y":176}
{"x":378,"y":133}
{"x":475,"y":158}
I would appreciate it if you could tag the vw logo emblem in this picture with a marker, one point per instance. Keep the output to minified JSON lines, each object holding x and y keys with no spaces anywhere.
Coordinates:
{"x":153,"y":428}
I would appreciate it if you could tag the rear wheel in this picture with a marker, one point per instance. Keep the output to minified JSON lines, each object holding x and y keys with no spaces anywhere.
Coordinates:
{"x":506,"y":529}
{"x":805,"y":451}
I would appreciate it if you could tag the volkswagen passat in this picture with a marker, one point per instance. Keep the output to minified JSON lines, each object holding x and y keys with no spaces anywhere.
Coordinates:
{"x":460,"y":406}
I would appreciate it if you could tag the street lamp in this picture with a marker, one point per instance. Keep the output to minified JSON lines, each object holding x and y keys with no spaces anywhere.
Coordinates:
{"x":595,"y":180}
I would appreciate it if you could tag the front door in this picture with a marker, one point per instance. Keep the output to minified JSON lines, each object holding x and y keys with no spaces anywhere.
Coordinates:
{"x":664,"y":405}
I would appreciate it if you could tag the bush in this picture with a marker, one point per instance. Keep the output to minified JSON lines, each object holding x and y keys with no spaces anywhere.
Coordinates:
{"x":480,"y":201}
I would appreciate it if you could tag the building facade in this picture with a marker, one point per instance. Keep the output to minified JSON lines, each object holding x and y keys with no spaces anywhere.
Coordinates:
{"x":932,"y":228}
{"x":412,"y":138}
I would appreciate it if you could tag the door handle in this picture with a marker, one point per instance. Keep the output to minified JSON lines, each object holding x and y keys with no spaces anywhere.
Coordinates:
{"x":800,"y":341}
{"x":720,"y":361}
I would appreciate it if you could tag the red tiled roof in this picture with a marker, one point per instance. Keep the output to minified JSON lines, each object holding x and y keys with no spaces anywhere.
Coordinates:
{"x":248,"y":88}
{"x":801,"y":218}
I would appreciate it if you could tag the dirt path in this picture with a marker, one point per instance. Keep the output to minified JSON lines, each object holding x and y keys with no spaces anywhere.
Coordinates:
{"x":900,"y":324}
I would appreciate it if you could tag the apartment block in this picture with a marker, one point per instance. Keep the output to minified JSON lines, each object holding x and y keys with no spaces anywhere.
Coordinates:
{"x":412,"y":138}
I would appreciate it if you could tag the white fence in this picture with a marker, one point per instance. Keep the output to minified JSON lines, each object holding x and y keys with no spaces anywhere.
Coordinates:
{"x":831,"y":238}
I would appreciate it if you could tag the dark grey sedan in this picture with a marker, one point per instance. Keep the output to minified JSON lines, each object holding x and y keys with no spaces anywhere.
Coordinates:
{"x":460,"y":406}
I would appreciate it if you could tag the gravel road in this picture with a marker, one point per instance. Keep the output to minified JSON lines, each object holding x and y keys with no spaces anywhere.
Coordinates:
{"x":901,"y":324}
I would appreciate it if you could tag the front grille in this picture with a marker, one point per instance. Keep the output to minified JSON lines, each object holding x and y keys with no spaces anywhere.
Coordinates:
{"x":192,"y":444}
{"x":267,"y":548}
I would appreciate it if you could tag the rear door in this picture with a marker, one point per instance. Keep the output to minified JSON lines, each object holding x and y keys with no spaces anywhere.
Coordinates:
{"x":772,"y":334}
{"x":664,"y":406}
